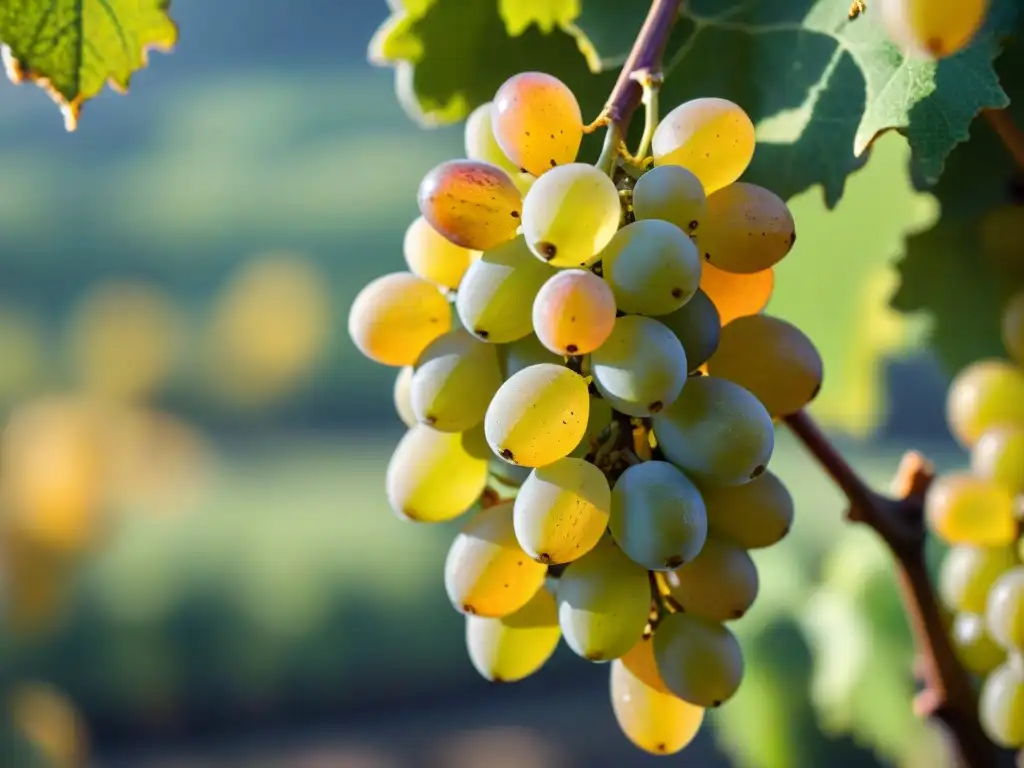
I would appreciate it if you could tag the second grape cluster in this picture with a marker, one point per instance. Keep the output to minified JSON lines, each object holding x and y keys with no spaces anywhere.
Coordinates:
{"x":602,"y":397}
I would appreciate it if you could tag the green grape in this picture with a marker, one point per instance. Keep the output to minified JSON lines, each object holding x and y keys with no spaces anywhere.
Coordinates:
{"x":1001,"y":705}
{"x":711,"y":137}
{"x":1001,"y":240}
{"x":716,"y":432}
{"x":670,"y":193}
{"x":1013,"y":327}
{"x":510,"y":648}
{"x":699,"y":660}
{"x":402,"y":395}
{"x":652,"y":267}
{"x":433,"y":257}
{"x":974,"y":648}
{"x":931,"y":30}
{"x":435,"y":476}
{"x":396,"y":316}
{"x":737,"y":295}
{"x":472,"y":203}
{"x":641,"y":368}
{"x":967,"y":574}
{"x":999,"y":456}
{"x":720,"y":584}
{"x":511,"y":475}
{"x":772,"y":359}
{"x":604,"y":600}
{"x":570,"y":214}
{"x":538,"y":415}
{"x":486,"y":572}
{"x":524,"y":352}
{"x":537,"y":121}
{"x":986,"y":394}
{"x":1004,"y":614}
{"x":962,"y":509}
{"x":697,"y":326}
{"x":600,"y":418}
{"x":747,"y":229}
{"x":658,"y":517}
{"x":495,"y":301}
{"x":455,"y":379}
{"x":574,"y":312}
{"x":562,"y":510}
{"x":649,"y":715}
{"x":524,"y":182}
{"x":755,"y":515}
{"x":480,"y":142}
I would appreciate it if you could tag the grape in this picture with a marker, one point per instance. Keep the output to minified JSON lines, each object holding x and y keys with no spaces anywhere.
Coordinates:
{"x":574,"y":312}
{"x":1013,"y":327}
{"x":999,"y":456}
{"x":396,"y":316}
{"x":403,"y":397}
{"x":1001,"y":705}
{"x":486,"y":572}
{"x":1004,"y":614}
{"x":433,"y":257}
{"x":524,"y":352}
{"x":720,"y":584}
{"x":974,"y":648}
{"x":472,"y":203}
{"x":604,"y":600}
{"x":496,"y":295}
{"x":538,"y":415}
{"x":641,"y":368}
{"x":755,"y":515}
{"x":931,"y":30}
{"x":711,"y":137}
{"x":1001,"y":240}
{"x":658,"y":516}
{"x":511,"y":475}
{"x":651,"y":717}
{"x":962,"y":509}
{"x":562,"y":510}
{"x":747,"y":229}
{"x":570,"y":214}
{"x":537,"y":121}
{"x":652,"y":267}
{"x":455,"y":379}
{"x":773,"y":359}
{"x":697,"y":326}
{"x":480,"y":142}
{"x":736,"y":295}
{"x":699,"y":660}
{"x":986,"y":394}
{"x":673,"y":194}
{"x":716,"y":432}
{"x":967,"y":574}
{"x":435,"y":476}
{"x":598,"y":420}
{"x":509,"y":648}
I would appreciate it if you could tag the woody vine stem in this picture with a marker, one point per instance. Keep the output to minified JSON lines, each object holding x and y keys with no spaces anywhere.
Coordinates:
{"x":948,"y":694}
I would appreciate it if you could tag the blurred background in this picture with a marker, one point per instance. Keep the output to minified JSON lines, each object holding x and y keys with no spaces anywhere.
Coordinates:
{"x":211,"y":575}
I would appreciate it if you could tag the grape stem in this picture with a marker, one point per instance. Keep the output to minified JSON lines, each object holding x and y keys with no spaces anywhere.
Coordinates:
{"x":947,"y":695}
{"x":651,"y":84}
{"x":1008,"y":132}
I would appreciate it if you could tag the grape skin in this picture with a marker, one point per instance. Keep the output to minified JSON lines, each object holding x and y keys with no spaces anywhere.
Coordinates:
{"x":999,"y":456}
{"x":574,"y":312}
{"x":697,"y":326}
{"x":737,"y":295}
{"x":975,"y":649}
{"x":755,"y":515}
{"x":433,"y":257}
{"x":455,"y":379}
{"x":967,"y":573}
{"x":673,"y":194}
{"x":402,"y":395}
{"x":1004,"y":614}
{"x":513,"y":647}
{"x":747,"y":229}
{"x":962,"y":509}
{"x":699,"y":660}
{"x":537,"y":122}
{"x":480,"y":142}
{"x":719,"y":585}
{"x":1013,"y":327}
{"x":1001,"y":705}
{"x":472,"y":203}
{"x":930,"y":30}
{"x":986,"y":394}
{"x":524,"y":352}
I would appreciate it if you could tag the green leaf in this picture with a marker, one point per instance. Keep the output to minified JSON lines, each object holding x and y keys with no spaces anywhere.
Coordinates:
{"x":72,"y":48}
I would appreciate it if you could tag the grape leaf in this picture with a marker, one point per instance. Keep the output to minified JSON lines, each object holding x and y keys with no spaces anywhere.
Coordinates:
{"x":72,"y":48}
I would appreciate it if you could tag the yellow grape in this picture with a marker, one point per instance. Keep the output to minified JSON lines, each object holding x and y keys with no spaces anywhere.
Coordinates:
{"x":561,"y":511}
{"x":486,"y":572}
{"x":455,"y":379}
{"x":747,"y":229}
{"x":537,"y":121}
{"x":574,"y":312}
{"x":719,"y":584}
{"x":930,"y":29}
{"x":999,"y":456}
{"x":967,"y":573}
{"x":480,"y":142}
{"x":974,"y":647}
{"x":699,"y":660}
{"x":1001,"y":704}
{"x":986,"y":394}
{"x":713,"y":138}
{"x":962,"y":509}
{"x":773,"y":359}
{"x":570,"y":214}
{"x":403,"y":397}
{"x":510,"y":648}
{"x":1013,"y":327}
{"x":673,"y":194}
{"x":524,"y":352}
{"x":432,"y":256}
{"x":435,"y":476}
{"x":755,"y":515}
{"x":735,"y":295}
{"x":396,"y":316}
{"x":472,"y":203}
{"x":1001,"y":240}
{"x":652,"y":717}
{"x":538,"y":416}
{"x":1004,"y":613}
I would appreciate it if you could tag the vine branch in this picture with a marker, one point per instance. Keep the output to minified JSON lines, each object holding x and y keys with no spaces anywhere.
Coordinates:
{"x":948,"y":695}
{"x":1008,"y":132}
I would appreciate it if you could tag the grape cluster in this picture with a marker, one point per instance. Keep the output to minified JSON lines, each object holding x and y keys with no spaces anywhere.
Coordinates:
{"x":606,"y":400}
{"x":979,"y":514}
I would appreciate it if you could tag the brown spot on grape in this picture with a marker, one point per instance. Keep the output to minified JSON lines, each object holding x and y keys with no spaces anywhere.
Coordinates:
{"x":468,"y":609}
{"x":430,"y":420}
{"x":497,"y":679}
{"x":481,"y":333}
{"x":661,"y":748}
{"x":693,"y":225}
{"x":817,"y":391}
{"x":758,"y":471}
{"x":674,"y":562}
{"x":506,"y":454}
{"x":738,"y":613}
{"x":545,"y":558}
{"x":677,"y":293}
{"x":594,"y":656}
{"x":523,"y":170}
{"x":707,"y":257}
{"x":515,"y":214}
{"x":548,"y":250}
{"x":792,"y":239}
{"x":571,"y":349}
{"x":553,"y":163}
{"x":935,"y":47}
{"x":656,"y":406}
{"x":716,"y":703}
